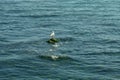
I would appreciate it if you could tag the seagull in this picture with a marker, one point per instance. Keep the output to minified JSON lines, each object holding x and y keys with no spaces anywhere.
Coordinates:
{"x":52,"y":34}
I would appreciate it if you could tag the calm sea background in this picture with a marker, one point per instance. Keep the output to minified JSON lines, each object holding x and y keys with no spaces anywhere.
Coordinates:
{"x":88,"y":33}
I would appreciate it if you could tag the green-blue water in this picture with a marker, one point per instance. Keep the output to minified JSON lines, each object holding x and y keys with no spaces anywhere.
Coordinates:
{"x":88,"y":31}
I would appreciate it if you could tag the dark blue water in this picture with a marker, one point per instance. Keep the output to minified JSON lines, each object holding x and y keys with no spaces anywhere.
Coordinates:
{"x":88,"y":31}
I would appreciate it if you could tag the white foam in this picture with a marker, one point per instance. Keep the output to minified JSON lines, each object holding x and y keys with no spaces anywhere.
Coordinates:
{"x":50,"y":49}
{"x":54,"y":57}
{"x":55,"y":45}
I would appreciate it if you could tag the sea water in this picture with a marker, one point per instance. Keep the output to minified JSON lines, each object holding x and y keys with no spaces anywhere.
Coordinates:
{"x":88,"y":32}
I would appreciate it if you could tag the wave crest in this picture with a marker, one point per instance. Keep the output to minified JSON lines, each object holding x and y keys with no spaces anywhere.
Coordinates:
{"x":55,"y":57}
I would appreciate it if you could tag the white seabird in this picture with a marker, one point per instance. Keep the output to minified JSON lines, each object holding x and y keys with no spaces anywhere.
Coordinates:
{"x":52,"y":34}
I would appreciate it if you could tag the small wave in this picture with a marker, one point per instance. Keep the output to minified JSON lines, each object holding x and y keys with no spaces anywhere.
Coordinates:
{"x":103,"y":53}
{"x":10,"y":22}
{"x":67,"y":39}
{"x":38,"y":16}
{"x":9,"y":57}
{"x":55,"y":57}
{"x":2,"y":39}
{"x":109,"y":24}
{"x":112,"y":41}
{"x":17,"y":11}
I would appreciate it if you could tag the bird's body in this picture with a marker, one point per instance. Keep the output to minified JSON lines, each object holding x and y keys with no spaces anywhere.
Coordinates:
{"x":52,"y":34}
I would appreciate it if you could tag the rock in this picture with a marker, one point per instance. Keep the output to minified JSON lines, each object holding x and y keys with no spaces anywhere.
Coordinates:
{"x":52,"y":40}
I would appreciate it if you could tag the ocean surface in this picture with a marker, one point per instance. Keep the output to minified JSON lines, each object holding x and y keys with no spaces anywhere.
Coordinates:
{"x":88,"y":32}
